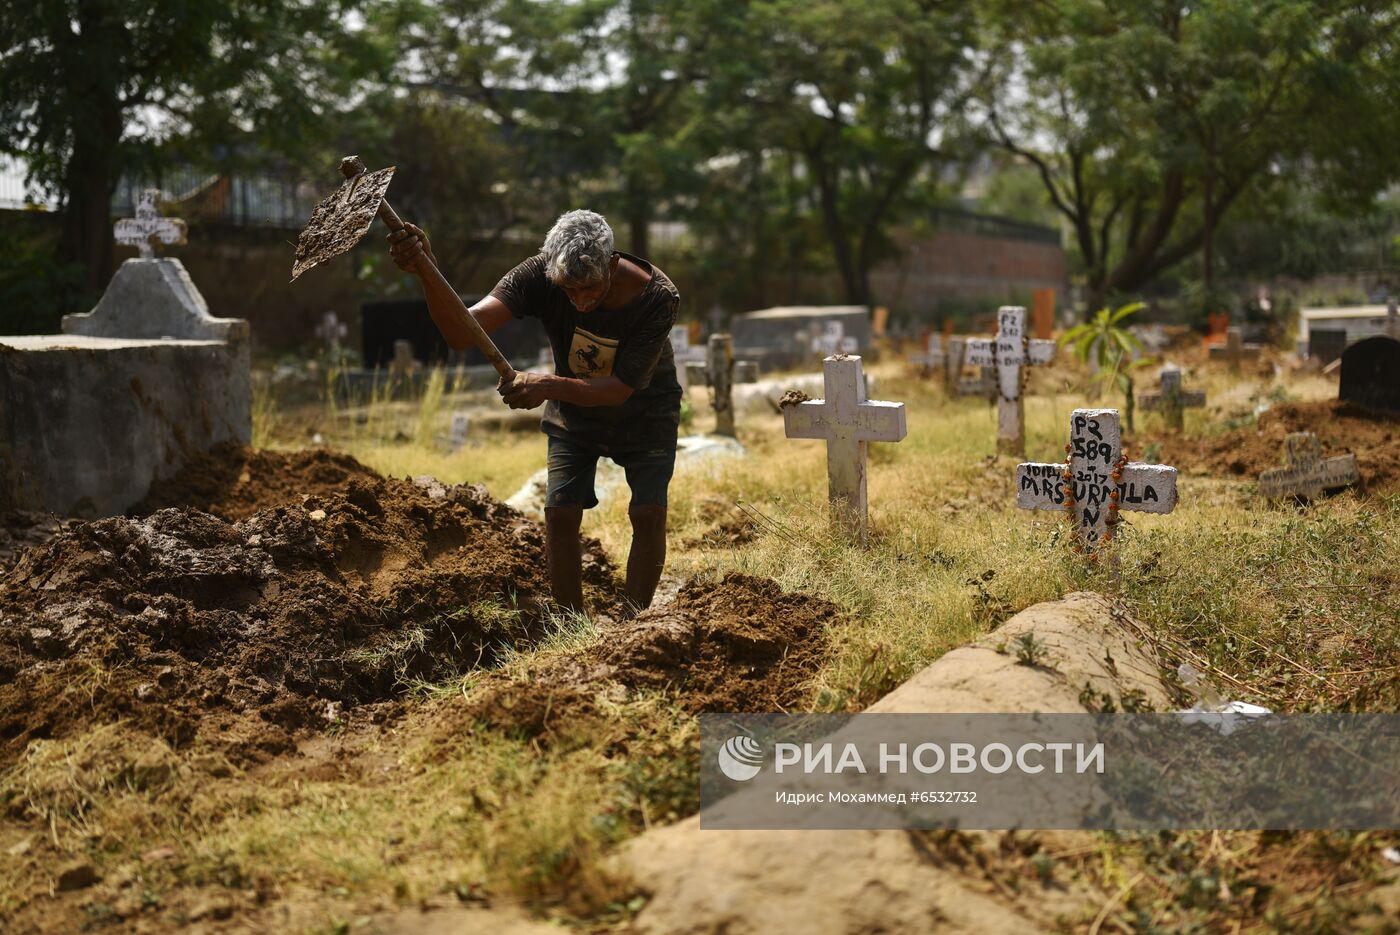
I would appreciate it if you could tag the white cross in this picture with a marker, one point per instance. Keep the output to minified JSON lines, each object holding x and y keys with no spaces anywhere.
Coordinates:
{"x":1307,"y":473}
{"x":1009,"y":353}
{"x":461,"y":425}
{"x":720,"y":372}
{"x":1096,"y":481}
{"x":148,"y":228}
{"x":330,"y":331}
{"x":833,"y":340}
{"x":848,"y":422}
{"x":1171,"y":400}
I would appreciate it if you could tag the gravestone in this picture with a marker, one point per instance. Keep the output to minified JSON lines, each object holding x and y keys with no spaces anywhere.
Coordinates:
{"x":932,"y":357}
{"x":1171,"y":400}
{"x":1096,"y":480}
{"x":330,"y":331}
{"x":403,"y":362}
{"x":1371,"y":374}
{"x":847,"y":422}
{"x":684,"y":353}
{"x":128,"y":393}
{"x":832,"y":339}
{"x":720,"y":372}
{"x":148,"y":231}
{"x":1008,"y":355}
{"x":1305,"y":472}
{"x":1326,"y":344}
{"x":457,"y":434}
{"x":1235,"y":350}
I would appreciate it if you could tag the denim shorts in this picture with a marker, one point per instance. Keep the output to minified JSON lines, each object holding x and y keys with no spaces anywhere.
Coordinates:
{"x":572,"y":467}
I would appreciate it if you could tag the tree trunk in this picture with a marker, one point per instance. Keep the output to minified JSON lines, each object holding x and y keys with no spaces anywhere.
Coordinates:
{"x":639,"y":233}
{"x":93,"y":167}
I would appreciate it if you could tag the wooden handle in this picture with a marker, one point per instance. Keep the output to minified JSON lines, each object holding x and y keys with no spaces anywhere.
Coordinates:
{"x":434,"y":283}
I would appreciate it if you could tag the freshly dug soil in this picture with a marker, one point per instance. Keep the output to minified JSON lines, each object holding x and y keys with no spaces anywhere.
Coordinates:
{"x":22,"y":529}
{"x":233,"y":482}
{"x":739,"y":645}
{"x":190,"y":624}
{"x":1374,"y":437}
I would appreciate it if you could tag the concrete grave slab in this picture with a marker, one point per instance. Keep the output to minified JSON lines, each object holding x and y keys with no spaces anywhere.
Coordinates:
{"x":154,"y":299}
{"x":705,"y":882}
{"x":127,"y":394}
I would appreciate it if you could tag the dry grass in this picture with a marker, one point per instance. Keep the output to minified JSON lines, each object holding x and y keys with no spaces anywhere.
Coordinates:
{"x":1296,"y":610}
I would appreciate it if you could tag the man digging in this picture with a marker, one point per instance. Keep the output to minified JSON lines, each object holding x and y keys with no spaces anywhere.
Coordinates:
{"x":614,"y":392}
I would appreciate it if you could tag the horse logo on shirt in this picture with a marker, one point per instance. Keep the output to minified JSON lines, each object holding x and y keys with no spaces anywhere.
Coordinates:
{"x":592,"y":355}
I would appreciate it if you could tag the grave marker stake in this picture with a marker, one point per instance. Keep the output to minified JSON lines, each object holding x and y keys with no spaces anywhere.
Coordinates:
{"x":1306,"y":473}
{"x":720,"y":373}
{"x":1171,"y":400}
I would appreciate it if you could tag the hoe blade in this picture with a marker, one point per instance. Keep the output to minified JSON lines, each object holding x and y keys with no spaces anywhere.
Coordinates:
{"x":339,"y":222}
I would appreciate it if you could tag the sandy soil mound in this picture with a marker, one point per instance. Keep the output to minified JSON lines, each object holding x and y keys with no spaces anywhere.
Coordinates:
{"x":233,"y":482}
{"x":1341,"y":426}
{"x":186,"y":622}
{"x":740,"y":644}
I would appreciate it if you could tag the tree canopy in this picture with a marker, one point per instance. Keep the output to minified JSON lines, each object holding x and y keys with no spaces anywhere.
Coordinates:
{"x":1148,"y":121}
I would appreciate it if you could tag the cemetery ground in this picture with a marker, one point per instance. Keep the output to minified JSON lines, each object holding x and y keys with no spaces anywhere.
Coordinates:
{"x":488,"y":759}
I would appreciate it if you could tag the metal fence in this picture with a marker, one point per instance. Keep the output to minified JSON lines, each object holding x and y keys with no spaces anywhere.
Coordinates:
{"x":989,"y":225}
{"x":245,"y":200}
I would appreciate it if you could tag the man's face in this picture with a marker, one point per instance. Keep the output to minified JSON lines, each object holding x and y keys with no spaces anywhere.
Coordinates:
{"x":588,"y":296}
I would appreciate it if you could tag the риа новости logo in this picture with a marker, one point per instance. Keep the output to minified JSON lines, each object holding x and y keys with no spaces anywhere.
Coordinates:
{"x":740,"y":758}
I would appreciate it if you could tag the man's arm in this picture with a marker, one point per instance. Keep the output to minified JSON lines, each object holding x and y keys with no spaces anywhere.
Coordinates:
{"x":531,"y":389}
{"x":406,"y":246}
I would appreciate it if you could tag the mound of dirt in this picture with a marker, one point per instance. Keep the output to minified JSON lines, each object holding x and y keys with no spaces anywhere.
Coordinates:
{"x":1374,"y":437}
{"x":22,"y":529}
{"x":233,"y":482}
{"x":741,"y":644}
{"x":187,"y":623}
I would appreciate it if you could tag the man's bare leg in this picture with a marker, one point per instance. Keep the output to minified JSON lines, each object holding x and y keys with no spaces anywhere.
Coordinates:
{"x":648,"y":555}
{"x":561,"y":526}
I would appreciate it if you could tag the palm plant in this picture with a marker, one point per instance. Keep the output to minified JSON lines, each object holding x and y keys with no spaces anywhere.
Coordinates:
{"x":1104,"y":343}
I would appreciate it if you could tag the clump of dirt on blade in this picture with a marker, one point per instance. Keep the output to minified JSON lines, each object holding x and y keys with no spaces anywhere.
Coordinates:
{"x":245,"y":631}
{"x":741,"y":644}
{"x":233,"y":482}
{"x":1373,"y":436}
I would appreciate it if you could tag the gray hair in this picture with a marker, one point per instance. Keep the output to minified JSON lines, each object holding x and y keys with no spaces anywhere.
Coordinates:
{"x":577,"y":249}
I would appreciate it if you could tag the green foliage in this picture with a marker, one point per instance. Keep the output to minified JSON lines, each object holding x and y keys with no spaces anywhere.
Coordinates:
{"x":96,"y":88}
{"x":1148,"y":122}
{"x":1106,"y":344}
{"x":36,"y":290}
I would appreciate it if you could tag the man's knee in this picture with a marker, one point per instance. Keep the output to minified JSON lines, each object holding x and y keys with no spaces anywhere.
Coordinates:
{"x":647,"y":515}
{"x":565,"y":518}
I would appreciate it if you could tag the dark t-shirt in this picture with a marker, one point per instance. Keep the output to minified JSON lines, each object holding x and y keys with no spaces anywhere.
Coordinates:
{"x":632,"y":343}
